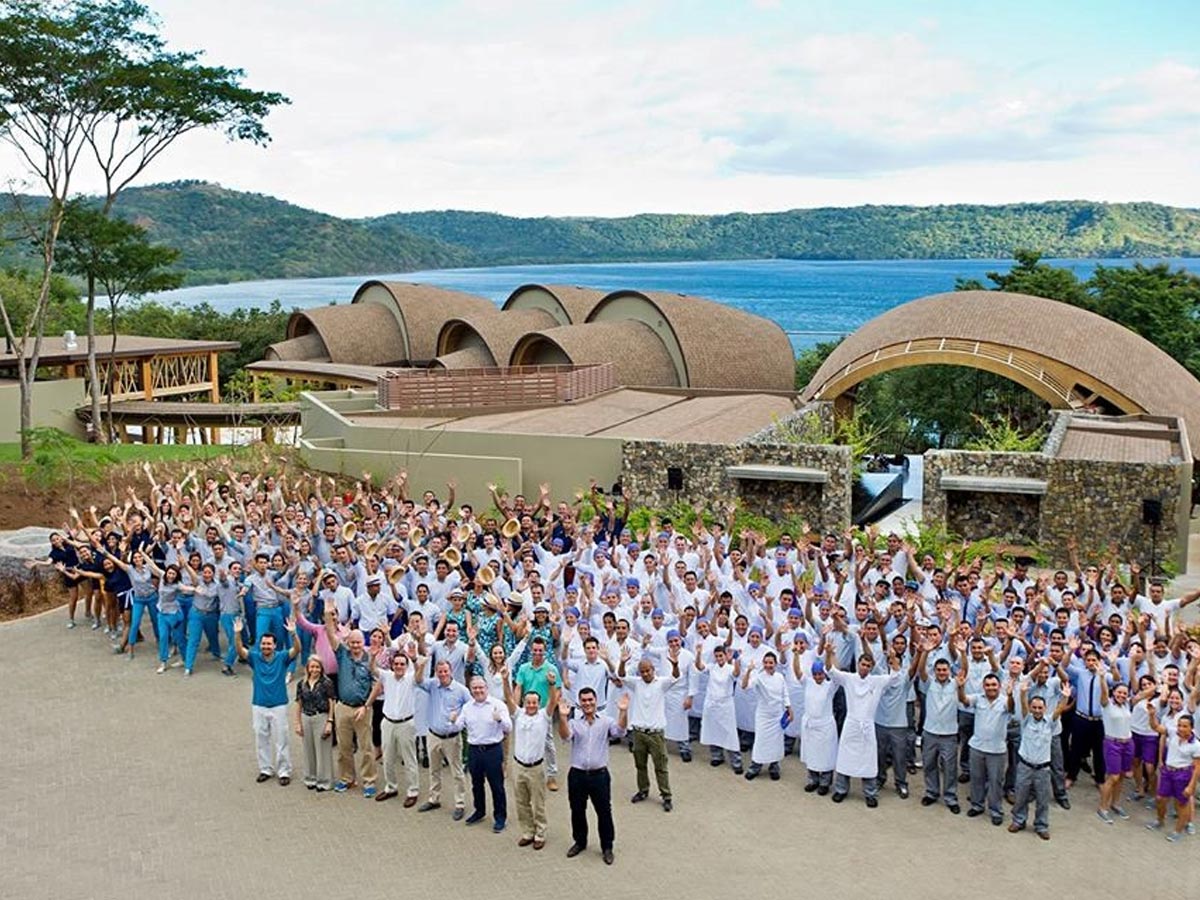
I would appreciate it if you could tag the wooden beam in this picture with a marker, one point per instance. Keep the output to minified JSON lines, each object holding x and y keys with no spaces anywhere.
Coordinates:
{"x":147,"y":379}
{"x":214,"y":377}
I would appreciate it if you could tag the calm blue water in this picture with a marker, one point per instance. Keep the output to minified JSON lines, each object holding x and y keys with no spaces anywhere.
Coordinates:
{"x":820,"y":299}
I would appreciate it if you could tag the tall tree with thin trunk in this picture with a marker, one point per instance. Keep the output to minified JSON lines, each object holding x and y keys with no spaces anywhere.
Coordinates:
{"x":97,"y":75}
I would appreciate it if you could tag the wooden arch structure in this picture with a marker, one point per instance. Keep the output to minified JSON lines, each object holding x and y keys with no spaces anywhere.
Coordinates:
{"x":1069,"y":357}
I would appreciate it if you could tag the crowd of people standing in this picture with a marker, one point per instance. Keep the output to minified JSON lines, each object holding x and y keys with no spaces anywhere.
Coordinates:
{"x":395,"y":634}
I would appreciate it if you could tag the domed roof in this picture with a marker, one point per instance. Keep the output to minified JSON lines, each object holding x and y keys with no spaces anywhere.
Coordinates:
{"x":420,"y":310}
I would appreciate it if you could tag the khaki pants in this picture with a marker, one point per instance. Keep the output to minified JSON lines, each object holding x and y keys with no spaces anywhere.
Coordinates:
{"x":400,"y":741}
{"x":531,"y":800}
{"x":318,"y":751}
{"x":348,"y":729}
{"x":449,"y":749}
{"x":651,"y":744}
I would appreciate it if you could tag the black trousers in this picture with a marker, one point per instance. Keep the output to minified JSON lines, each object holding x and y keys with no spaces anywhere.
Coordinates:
{"x":596,"y":786}
{"x":1087,"y":738}
{"x":486,"y":764}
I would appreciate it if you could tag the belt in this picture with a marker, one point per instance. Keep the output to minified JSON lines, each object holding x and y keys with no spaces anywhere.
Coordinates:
{"x":648,"y":730}
{"x":532,"y":765}
{"x":1127,"y":740}
{"x":1178,"y":768}
{"x":1033,"y":765}
{"x":397,"y":721}
{"x":352,"y":705}
{"x":444,"y":737}
{"x":1087,"y":717}
{"x":495,"y":744}
{"x":590,"y":771}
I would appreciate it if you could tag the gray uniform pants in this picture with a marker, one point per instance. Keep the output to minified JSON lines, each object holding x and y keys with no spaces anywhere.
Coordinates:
{"x":987,"y":780}
{"x":1036,"y":782}
{"x":820,"y":779}
{"x":841,"y":785}
{"x":893,"y":744}
{"x":938,"y":756}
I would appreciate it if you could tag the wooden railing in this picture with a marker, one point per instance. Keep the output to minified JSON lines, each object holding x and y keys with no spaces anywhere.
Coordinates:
{"x":499,"y":387}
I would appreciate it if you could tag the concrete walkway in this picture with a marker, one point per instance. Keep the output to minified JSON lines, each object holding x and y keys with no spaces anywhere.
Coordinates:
{"x":119,"y":783}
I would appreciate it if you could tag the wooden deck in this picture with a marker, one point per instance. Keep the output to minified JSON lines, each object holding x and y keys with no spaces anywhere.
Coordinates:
{"x":206,"y":419}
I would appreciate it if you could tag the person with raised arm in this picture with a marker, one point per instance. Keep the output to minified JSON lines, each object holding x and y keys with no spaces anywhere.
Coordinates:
{"x":718,"y":723}
{"x":988,"y":744}
{"x":588,"y":780}
{"x":858,"y":755}
{"x":1033,"y":760}
{"x":269,"y":701}
{"x":1117,"y":716}
{"x":398,"y":735}
{"x":648,"y":722}
{"x":1178,"y":773}
{"x":352,"y":713}
{"x":772,"y":713}
{"x":531,"y":734}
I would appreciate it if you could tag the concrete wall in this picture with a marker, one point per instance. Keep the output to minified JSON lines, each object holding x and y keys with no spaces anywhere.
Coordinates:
{"x":54,"y":405}
{"x":518,"y":462}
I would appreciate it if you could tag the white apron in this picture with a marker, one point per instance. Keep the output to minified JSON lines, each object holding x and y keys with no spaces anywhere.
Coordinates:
{"x":771,"y":694}
{"x":818,"y":729}
{"x":718,"y":727}
{"x":677,"y":717}
{"x":745,"y":701}
{"x":857,"y":755}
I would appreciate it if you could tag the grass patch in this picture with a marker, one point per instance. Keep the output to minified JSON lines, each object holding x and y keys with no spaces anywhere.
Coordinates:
{"x":124,"y":453}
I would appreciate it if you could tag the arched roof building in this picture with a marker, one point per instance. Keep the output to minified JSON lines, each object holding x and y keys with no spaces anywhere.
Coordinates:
{"x":1071,"y":358}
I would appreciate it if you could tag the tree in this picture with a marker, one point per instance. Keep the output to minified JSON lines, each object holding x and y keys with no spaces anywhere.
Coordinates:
{"x":95,"y":74}
{"x":117,"y":256}
{"x":1029,"y":275}
{"x":1161,"y":305}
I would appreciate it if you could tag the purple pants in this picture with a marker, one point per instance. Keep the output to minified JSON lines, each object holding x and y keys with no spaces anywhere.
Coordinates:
{"x":1118,"y":756}
{"x":1145,"y":748}
{"x":1171,"y":783}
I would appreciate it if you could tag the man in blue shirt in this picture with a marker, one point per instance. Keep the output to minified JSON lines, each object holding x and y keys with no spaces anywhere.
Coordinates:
{"x":269,"y":702}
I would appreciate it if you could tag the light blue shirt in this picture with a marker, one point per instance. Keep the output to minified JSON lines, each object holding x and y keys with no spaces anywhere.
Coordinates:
{"x":1035,"y":739}
{"x":442,"y":702}
{"x":941,"y":707}
{"x":991,"y":723}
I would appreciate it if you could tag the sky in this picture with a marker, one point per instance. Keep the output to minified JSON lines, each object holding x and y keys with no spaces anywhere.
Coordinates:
{"x":610,"y":108}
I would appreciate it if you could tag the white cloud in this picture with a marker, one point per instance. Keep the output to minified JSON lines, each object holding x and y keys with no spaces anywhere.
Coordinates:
{"x":561,"y":108}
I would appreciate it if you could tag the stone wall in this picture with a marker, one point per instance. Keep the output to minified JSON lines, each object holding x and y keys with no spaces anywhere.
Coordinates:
{"x":703,"y":466}
{"x":1098,"y":502}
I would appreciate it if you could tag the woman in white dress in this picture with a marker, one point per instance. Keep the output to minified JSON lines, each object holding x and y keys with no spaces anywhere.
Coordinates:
{"x":772,"y":711}
{"x":818,"y":730}
{"x":744,"y":700}
{"x":793,"y":665}
{"x":718,"y":726}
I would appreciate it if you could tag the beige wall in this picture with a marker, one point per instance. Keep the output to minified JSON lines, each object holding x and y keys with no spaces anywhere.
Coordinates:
{"x":54,"y":405}
{"x":519,"y":462}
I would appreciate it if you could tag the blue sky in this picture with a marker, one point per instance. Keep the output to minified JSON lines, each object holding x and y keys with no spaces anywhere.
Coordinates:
{"x":572,"y":108}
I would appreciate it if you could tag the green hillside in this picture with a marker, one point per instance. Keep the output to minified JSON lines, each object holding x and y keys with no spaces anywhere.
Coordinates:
{"x":227,"y":235}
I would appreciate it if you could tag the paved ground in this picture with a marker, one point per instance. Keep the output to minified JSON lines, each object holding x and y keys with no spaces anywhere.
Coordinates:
{"x":120,"y":783}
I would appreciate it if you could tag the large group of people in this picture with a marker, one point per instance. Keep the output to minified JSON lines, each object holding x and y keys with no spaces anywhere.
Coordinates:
{"x":395,"y":633}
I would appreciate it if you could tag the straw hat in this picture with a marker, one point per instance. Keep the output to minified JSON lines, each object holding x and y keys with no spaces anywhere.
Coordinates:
{"x":372,"y":548}
{"x":349,"y":530}
{"x":416,"y":534}
{"x":511,"y":528}
{"x":463,"y":533}
{"x":395,"y":576}
{"x":452,"y":556}
{"x":486,"y":575}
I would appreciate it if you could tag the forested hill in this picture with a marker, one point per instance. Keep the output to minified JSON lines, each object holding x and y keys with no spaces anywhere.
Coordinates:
{"x":1062,"y":229}
{"x":226,"y":235}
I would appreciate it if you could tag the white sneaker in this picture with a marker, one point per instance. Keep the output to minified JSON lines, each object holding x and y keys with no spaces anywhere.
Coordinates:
{"x":177,"y":664}
{"x":70,"y":623}
{"x":95,"y":624}
{"x":161,"y":668}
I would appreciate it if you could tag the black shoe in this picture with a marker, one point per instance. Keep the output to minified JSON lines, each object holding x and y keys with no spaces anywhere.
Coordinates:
{"x":964,"y":779}
{"x":457,"y":814}
{"x":955,"y":808}
{"x":575,"y":849}
{"x":737,"y":770}
{"x":474,"y":818}
{"x":997,"y":820}
{"x":838,"y":798}
{"x":639,"y":797}
{"x":872,"y":802}
{"x":607,"y":856}
{"x":773,"y":771}
{"x":716,"y":762}
{"x":823,"y":790}
{"x":685,"y":757}
{"x":752,"y":773}
{"x":902,"y":792}
{"x":667,"y":805}
{"x":262,"y":776}
{"x":427,"y":806}
{"x":1064,"y":802}
{"x":498,"y":826}
{"x":972,"y":813}
{"x":810,"y":787}
{"x":928,"y":801}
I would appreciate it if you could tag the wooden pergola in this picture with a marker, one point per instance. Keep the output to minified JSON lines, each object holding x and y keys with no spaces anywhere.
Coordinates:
{"x":142,"y":368}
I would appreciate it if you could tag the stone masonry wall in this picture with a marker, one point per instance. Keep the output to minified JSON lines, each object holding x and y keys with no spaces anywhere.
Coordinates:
{"x":823,"y":506}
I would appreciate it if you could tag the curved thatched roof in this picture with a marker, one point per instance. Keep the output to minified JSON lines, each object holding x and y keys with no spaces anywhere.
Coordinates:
{"x":639,"y":354}
{"x":366,"y":336}
{"x":570,"y":305}
{"x":307,"y":346}
{"x":719,"y":346}
{"x":420,"y":310}
{"x":497,"y":333}
{"x":1092,"y":357}
{"x":474,"y":356}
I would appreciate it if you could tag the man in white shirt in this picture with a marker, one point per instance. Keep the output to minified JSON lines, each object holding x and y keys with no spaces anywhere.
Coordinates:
{"x":648,"y":723}
{"x":398,"y":687}
{"x":486,"y":721}
{"x":530,"y":731}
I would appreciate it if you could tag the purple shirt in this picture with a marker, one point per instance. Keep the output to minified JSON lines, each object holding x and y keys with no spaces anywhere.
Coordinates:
{"x":589,"y":742}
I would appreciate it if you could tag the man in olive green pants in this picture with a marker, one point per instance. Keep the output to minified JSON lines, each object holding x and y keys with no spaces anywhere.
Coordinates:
{"x":648,"y":722}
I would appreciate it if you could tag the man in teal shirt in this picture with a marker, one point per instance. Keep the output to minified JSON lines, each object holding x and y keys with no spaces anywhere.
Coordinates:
{"x":269,"y":702}
{"x":537,"y":676}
